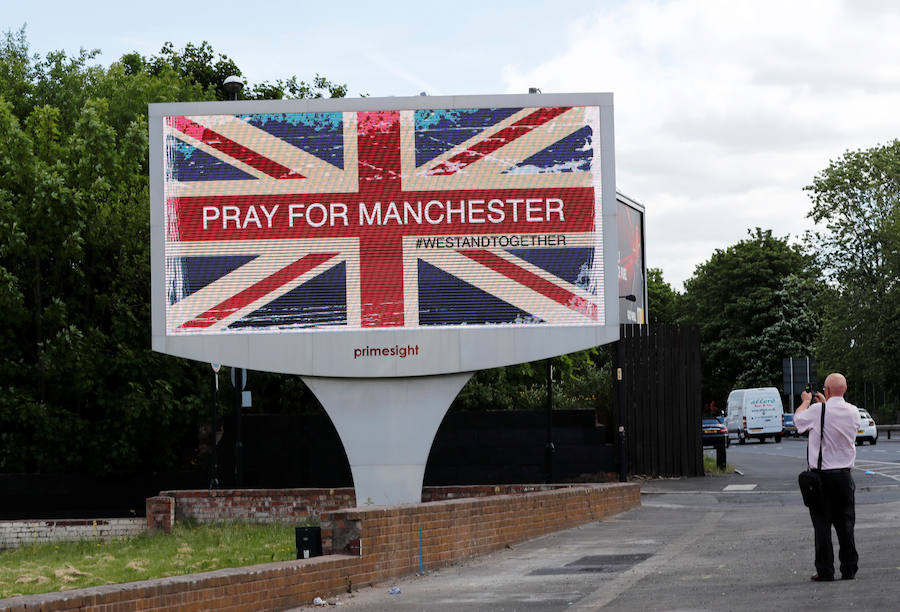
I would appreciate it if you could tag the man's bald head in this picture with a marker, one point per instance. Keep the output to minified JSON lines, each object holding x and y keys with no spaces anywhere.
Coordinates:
{"x":835,"y":385}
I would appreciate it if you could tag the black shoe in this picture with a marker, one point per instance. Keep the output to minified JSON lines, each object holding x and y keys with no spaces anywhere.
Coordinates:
{"x":818,"y":578}
{"x":848,"y":576}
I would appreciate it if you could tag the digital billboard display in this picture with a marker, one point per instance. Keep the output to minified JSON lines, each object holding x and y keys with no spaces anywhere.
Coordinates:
{"x":632,"y":266}
{"x":403,"y":215}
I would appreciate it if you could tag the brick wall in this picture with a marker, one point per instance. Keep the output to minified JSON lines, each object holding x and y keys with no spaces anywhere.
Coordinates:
{"x":20,"y":533}
{"x":430,"y":494}
{"x":390,"y":538}
{"x":257,"y":505}
{"x":294,"y":505}
{"x":383,"y":542}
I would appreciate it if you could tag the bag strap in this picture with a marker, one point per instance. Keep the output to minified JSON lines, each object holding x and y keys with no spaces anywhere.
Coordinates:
{"x":821,"y":434}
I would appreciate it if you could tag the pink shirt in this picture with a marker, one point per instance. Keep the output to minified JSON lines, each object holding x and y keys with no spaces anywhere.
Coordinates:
{"x":841,"y":425}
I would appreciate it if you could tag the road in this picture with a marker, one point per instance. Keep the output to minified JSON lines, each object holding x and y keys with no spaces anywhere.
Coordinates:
{"x":882,"y":459}
{"x":725,"y":542}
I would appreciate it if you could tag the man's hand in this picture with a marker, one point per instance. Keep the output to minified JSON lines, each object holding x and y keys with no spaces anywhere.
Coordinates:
{"x":807,"y":397}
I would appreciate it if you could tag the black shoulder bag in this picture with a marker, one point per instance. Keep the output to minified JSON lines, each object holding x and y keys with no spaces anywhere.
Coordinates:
{"x":811,"y":480}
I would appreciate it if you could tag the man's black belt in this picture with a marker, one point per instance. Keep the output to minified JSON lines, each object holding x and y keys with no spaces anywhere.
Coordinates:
{"x":846,"y":469}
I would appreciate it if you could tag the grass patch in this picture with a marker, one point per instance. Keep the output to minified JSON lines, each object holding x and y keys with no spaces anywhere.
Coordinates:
{"x":189,"y":549}
{"x":710,"y":467}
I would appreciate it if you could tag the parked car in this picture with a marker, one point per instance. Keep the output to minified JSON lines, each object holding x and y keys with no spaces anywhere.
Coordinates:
{"x":867,"y":429}
{"x":714,"y":432}
{"x":788,"y":429}
{"x":721,"y":419}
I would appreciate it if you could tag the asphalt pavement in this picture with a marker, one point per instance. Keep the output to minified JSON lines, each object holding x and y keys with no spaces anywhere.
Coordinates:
{"x":740,"y":541}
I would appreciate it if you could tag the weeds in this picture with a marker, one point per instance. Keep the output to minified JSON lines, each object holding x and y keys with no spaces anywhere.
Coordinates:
{"x":710,"y":467}
{"x":191,"y":548}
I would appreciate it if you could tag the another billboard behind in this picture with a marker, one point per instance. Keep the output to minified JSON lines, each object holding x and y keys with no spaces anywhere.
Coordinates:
{"x":632,"y":265}
{"x":382,"y":237}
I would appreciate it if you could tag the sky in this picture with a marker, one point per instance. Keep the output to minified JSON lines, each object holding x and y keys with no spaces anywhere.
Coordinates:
{"x":724,"y":110}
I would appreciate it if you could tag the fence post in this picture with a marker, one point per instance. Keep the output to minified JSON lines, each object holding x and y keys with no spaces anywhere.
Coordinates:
{"x":618,"y":383}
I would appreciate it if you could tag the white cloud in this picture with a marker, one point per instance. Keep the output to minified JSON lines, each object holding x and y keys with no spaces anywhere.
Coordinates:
{"x":725,"y":110}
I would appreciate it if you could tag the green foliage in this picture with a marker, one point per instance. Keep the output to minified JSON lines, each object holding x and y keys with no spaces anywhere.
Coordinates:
{"x":201,"y":66}
{"x":81,"y":389}
{"x":662,"y":301}
{"x":798,"y":306}
{"x":74,"y":270}
{"x":745,"y":300}
{"x":857,"y":197}
{"x":293,"y":89}
{"x":194,"y":64}
{"x":581,"y":381}
{"x":711,"y":467}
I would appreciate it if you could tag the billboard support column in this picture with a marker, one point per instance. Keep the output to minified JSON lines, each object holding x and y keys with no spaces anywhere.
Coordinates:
{"x":214,"y":426}
{"x":387,"y":426}
{"x":238,"y":381}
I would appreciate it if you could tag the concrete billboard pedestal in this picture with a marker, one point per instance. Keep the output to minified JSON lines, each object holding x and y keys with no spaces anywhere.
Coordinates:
{"x":387,"y":426}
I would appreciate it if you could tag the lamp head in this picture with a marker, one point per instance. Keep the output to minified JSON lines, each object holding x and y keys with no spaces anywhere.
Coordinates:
{"x":233,"y":84}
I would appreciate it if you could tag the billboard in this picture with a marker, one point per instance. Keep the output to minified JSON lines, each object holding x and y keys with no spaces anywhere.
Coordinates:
{"x":632,"y":267}
{"x":382,"y":237}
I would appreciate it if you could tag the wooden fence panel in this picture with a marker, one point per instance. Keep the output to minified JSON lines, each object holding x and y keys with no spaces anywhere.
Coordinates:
{"x":659,"y":399}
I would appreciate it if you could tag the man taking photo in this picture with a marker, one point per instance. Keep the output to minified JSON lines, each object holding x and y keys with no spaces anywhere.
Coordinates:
{"x":838,"y":445}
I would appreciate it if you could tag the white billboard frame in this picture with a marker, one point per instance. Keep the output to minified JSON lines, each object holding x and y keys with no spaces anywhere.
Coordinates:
{"x":336,"y":352}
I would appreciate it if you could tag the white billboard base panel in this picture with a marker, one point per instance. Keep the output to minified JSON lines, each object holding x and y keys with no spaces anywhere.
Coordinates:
{"x":387,"y":426}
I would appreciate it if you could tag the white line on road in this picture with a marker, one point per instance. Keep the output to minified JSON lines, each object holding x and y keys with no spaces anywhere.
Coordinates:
{"x":881,"y":468}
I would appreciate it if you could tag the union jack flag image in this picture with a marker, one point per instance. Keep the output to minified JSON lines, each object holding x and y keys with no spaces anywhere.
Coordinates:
{"x":383,"y":219}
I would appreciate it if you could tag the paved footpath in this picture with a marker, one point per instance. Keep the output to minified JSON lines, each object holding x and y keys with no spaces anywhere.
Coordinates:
{"x":736,"y":542}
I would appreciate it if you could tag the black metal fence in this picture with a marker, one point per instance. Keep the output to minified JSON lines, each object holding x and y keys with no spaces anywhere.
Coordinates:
{"x":658,"y":399}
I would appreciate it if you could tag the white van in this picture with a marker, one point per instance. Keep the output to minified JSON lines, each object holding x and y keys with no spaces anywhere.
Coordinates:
{"x":754,"y":413}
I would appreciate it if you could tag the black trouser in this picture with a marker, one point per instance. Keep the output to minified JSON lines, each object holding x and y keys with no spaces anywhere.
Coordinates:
{"x":839,"y":510}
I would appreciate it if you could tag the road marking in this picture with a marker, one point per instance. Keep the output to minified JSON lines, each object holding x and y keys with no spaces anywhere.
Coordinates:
{"x":740,"y":487}
{"x":888,"y":469}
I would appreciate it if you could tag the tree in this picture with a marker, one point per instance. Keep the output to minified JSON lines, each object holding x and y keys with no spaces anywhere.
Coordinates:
{"x":293,"y":89}
{"x":798,"y":306}
{"x":662,"y":300}
{"x":81,"y":388}
{"x":200,"y":65}
{"x":857,"y":197}
{"x":194,"y":64}
{"x":742,"y":299}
